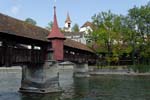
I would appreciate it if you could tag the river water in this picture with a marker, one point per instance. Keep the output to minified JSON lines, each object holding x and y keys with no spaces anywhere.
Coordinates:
{"x":103,"y":87}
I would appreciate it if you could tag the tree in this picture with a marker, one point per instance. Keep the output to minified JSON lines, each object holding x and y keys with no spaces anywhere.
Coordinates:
{"x":106,"y":36}
{"x":116,"y":35}
{"x":75,"y":28}
{"x":49,"y":27}
{"x":140,"y":17}
{"x":30,"y":21}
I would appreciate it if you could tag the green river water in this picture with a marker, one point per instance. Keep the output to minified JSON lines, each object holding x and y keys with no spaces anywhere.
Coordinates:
{"x":103,"y":87}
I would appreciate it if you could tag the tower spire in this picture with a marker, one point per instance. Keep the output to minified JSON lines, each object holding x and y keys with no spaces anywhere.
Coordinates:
{"x":55,"y":32}
{"x":68,"y":20}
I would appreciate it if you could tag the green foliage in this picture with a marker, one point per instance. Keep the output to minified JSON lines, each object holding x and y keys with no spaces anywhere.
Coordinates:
{"x":140,"y":16}
{"x":141,"y":68}
{"x":75,"y":28}
{"x":30,"y":21}
{"x":116,"y":35}
{"x":49,"y":27}
{"x":107,"y":35}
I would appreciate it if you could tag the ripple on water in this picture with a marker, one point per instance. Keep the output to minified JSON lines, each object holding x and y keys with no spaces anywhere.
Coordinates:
{"x":10,"y":96}
{"x":104,"y":87}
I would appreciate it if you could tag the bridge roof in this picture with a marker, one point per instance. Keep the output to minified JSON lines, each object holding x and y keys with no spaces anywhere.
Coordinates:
{"x":9,"y":25}
{"x":77,"y":45}
{"x":20,"y":28}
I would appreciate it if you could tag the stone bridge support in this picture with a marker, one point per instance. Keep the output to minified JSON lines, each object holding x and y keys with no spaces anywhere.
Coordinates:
{"x":40,"y":78}
{"x":81,"y":70}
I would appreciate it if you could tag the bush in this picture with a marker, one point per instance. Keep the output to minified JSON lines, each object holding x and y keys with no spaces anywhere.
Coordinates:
{"x":140,"y":68}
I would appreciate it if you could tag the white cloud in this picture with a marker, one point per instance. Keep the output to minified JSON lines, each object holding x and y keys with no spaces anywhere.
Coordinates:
{"x":15,"y":10}
{"x":16,"y":5}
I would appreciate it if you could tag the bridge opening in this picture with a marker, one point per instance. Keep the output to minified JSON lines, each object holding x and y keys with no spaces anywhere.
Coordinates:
{"x":0,"y":43}
{"x":37,"y":48}
{"x":30,"y":47}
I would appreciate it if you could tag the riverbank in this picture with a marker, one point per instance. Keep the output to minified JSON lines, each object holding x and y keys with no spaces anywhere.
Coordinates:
{"x":116,"y":70}
{"x":96,"y":73}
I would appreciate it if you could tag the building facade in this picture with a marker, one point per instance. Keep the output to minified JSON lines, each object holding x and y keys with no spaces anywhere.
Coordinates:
{"x":76,"y":36}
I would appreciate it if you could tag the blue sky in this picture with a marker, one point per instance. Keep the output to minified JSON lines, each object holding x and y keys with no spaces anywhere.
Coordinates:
{"x":80,"y":10}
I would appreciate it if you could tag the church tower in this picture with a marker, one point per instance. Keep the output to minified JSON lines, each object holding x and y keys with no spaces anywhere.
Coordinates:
{"x":67,"y":27}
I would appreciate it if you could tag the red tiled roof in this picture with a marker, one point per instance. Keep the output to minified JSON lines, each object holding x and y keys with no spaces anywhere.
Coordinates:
{"x":55,"y":32}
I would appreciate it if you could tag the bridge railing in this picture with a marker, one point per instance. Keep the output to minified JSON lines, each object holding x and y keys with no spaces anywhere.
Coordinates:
{"x":78,"y":57}
{"x":9,"y":56}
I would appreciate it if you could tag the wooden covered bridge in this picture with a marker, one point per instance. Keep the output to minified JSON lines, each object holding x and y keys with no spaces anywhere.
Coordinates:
{"x":23,"y":43}
{"x":35,"y":48}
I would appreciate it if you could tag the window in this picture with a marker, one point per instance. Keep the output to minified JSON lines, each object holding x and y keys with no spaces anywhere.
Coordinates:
{"x":68,"y":24}
{"x":50,"y":56}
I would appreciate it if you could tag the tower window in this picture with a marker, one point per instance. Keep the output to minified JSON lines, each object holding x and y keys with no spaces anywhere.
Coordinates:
{"x":68,"y":24}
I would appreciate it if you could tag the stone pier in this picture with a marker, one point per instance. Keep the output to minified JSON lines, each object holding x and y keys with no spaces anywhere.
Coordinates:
{"x":40,"y":78}
{"x":81,"y":70}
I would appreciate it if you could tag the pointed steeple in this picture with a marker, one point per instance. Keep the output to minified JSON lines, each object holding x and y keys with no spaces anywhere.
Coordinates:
{"x":68,"y":20}
{"x":67,"y":27}
{"x":55,"y":32}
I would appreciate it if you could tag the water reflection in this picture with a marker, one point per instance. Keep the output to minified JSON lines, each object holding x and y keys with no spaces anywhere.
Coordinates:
{"x":81,"y":87}
{"x":120,"y":87}
{"x":40,"y":97}
{"x":66,"y":83}
{"x":104,"y":87}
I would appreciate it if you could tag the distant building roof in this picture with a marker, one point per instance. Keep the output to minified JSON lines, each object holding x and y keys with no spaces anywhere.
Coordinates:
{"x":73,"y":33}
{"x":87,"y":24}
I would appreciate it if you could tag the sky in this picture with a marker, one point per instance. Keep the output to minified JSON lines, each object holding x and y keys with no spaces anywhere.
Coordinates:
{"x":80,"y":11}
